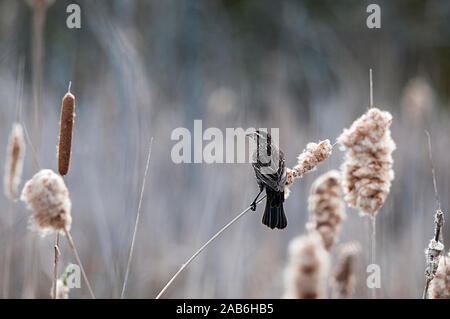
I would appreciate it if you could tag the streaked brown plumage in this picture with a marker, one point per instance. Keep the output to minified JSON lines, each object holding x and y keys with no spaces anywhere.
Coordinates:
{"x":270,"y":170}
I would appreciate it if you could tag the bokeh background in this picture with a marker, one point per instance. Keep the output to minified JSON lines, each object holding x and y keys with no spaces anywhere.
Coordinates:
{"x":143,"y":68}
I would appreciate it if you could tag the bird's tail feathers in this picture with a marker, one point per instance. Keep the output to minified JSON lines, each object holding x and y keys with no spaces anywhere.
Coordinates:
{"x":274,"y":216}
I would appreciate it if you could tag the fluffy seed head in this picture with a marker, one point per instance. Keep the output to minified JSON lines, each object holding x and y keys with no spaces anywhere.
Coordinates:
{"x":326,"y":208}
{"x":440,"y":285}
{"x":14,"y":161}
{"x":344,"y":279}
{"x":47,"y":197}
{"x":306,"y":273}
{"x":309,"y":159}
{"x":367,"y":169}
{"x":432,"y":256}
{"x":66,"y":133}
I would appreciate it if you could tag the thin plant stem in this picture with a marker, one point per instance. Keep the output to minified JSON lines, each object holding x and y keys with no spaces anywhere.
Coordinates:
{"x":130,"y":256}
{"x":425,"y":290}
{"x":373,"y":218}
{"x":37,"y":47}
{"x":77,"y":257}
{"x":183,"y":266}
{"x":439,"y":216}
{"x":433,"y":172}
{"x":371,"y":87}
{"x":33,"y":150}
{"x":374,"y":250}
{"x":8,"y":253}
{"x":55,"y":265}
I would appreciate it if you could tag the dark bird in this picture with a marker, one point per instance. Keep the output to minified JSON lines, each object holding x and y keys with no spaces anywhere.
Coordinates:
{"x":268,"y":161}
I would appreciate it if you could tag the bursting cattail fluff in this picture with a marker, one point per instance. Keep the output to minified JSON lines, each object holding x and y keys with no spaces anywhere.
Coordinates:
{"x":66,"y":133}
{"x":14,"y":161}
{"x":326,"y":208}
{"x":307,"y":161}
{"x":367,"y":170}
{"x":344,"y":279}
{"x":47,"y":197}
{"x":440,"y":285}
{"x":432,"y":256}
{"x":307,"y":271}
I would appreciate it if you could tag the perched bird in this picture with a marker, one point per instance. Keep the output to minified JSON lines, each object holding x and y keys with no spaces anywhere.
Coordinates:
{"x":268,"y":161}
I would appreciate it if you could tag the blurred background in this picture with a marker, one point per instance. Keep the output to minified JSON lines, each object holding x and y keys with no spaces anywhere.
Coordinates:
{"x":143,"y":68}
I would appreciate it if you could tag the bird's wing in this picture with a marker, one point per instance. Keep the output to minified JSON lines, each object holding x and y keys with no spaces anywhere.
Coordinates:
{"x":271,"y":178}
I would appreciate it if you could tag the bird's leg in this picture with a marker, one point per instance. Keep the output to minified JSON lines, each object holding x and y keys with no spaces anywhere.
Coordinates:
{"x":253,"y":204}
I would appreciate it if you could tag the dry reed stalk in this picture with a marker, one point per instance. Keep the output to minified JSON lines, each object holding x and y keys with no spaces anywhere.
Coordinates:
{"x":61,"y":291}
{"x":326,"y":208}
{"x":39,"y":10}
{"x":307,"y":270}
{"x":307,"y":161}
{"x":14,"y":161}
{"x":66,"y":132}
{"x":77,"y":257}
{"x":435,"y":247}
{"x":130,"y":256}
{"x":62,"y":288}
{"x":55,"y":268}
{"x":183,"y":266}
{"x":440,"y":285}
{"x":344,"y":279}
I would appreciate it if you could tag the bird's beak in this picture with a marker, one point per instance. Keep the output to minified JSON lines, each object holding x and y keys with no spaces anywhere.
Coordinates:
{"x":251,"y":134}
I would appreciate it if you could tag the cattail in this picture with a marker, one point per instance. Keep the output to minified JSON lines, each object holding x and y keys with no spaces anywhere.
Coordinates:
{"x":306,"y":273}
{"x":326,"y":208}
{"x":367,"y":170}
{"x":440,"y":285}
{"x":344,"y":279}
{"x":62,"y":290}
{"x":14,"y":161}
{"x":308,"y":160}
{"x":47,"y":197}
{"x":66,"y":132}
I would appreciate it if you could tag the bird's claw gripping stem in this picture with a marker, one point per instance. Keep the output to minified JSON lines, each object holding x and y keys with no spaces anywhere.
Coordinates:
{"x":253,"y":204}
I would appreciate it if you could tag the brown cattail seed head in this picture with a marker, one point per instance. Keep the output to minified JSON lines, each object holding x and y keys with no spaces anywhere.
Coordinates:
{"x":14,"y":161}
{"x":326,"y":208}
{"x":47,"y":197}
{"x":344,"y":279}
{"x":367,"y":170}
{"x":65,"y":133}
{"x":440,"y":285}
{"x":307,"y":271}
{"x":309,"y":159}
